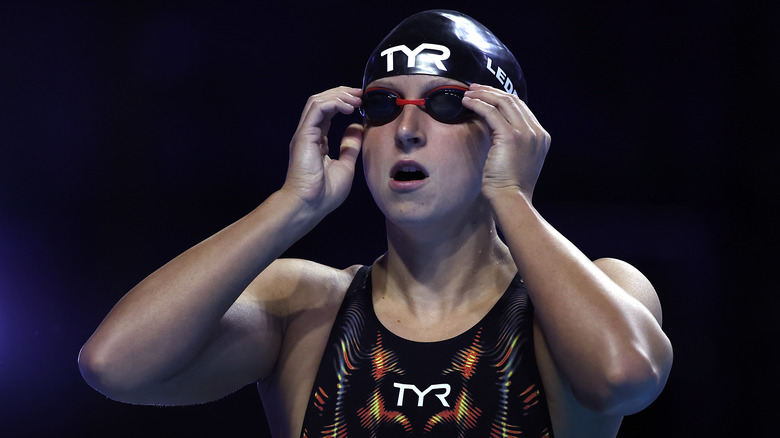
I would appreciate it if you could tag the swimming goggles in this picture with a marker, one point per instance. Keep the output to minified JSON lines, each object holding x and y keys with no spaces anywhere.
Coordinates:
{"x":381,"y":105}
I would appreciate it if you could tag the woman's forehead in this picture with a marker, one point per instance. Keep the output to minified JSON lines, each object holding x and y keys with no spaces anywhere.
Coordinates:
{"x":414,"y":82}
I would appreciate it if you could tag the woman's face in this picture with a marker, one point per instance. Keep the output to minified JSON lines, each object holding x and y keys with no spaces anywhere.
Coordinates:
{"x":420,"y":170}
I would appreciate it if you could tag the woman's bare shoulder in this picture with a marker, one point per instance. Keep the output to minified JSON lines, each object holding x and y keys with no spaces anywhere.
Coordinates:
{"x":299,"y":284}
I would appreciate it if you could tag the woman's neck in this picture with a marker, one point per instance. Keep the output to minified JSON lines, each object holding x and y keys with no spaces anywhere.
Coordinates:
{"x":444,"y":266}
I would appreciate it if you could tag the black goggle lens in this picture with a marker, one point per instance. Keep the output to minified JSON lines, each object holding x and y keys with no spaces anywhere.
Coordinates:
{"x":381,"y":106}
{"x":446,"y":104}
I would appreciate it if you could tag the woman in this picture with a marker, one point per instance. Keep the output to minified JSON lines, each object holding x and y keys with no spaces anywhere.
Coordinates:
{"x":453,"y":331}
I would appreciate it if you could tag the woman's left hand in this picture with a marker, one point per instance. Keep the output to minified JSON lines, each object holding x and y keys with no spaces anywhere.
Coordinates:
{"x":519,"y":143}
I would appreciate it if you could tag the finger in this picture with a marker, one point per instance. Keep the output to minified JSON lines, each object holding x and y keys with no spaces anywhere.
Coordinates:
{"x":506,"y":115}
{"x":351,"y":143}
{"x":511,"y":107}
{"x":494,"y":117}
{"x":324,"y":148}
{"x":321,"y":111}
{"x":325,"y":105}
{"x":348,"y":94}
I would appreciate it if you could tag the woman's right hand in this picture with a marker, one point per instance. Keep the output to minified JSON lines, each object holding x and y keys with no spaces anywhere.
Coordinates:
{"x":319,"y":181}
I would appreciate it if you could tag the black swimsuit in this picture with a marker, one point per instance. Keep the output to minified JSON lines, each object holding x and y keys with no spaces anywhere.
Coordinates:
{"x":482,"y":383}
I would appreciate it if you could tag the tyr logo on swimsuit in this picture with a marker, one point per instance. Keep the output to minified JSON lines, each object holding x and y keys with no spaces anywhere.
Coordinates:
{"x":421,"y":394}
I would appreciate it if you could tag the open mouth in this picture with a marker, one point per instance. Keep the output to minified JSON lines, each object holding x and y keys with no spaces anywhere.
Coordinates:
{"x":408,"y":175}
{"x":408,"y":172}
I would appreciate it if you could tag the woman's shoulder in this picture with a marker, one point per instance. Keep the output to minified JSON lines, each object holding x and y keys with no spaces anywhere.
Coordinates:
{"x":299,"y":284}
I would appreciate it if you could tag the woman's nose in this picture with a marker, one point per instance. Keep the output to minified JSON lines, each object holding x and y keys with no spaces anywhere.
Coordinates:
{"x":409,"y":132}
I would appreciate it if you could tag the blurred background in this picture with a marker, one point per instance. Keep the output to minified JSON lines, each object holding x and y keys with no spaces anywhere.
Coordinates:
{"x":130,"y":131}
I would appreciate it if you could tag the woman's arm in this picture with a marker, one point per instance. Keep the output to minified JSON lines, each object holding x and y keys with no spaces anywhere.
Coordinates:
{"x":189,"y":333}
{"x":602,"y":320}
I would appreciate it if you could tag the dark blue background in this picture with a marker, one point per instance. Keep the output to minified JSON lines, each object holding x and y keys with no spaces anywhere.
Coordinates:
{"x":132,"y":130}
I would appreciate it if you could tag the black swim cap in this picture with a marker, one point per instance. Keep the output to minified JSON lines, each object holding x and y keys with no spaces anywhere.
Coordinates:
{"x":450,"y":44}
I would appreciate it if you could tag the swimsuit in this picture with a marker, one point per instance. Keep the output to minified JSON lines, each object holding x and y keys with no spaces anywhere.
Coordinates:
{"x":482,"y":383}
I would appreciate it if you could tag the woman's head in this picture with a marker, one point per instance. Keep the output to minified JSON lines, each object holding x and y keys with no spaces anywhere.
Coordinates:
{"x":423,"y":156}
{"x":450,"y":44}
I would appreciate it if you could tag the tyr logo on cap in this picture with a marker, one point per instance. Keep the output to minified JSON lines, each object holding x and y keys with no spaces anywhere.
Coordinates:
{"x":411,"y":55}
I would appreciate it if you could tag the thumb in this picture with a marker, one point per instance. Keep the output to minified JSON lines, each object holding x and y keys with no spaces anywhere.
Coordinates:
{"x":351,"y":143}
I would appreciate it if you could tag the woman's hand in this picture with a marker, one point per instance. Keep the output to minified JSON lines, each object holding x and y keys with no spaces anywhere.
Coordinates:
{"x":519,"y":143}
{"x":319,"y":181}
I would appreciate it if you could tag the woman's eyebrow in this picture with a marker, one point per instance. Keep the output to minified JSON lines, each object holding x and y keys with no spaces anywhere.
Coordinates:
{"x":435,"y":81}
